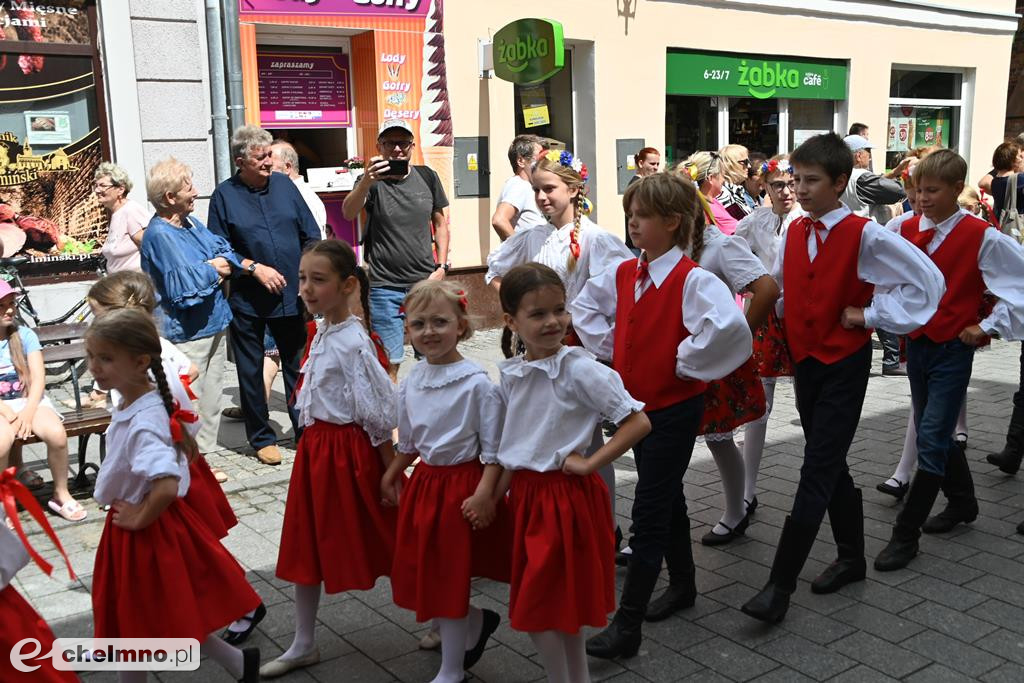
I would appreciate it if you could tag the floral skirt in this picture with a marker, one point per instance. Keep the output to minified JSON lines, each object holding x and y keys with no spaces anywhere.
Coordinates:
{"x":771,"y":353}
{"x":732,"y":401}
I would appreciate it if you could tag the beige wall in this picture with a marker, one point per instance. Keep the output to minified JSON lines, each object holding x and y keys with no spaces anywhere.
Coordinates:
{"x":630,"y":79}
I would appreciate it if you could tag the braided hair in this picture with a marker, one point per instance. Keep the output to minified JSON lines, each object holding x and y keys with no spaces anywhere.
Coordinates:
{"x":574,"y":181}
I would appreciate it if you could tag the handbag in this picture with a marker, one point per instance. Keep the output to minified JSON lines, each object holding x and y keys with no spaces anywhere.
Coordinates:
{"x":1010,"y":221}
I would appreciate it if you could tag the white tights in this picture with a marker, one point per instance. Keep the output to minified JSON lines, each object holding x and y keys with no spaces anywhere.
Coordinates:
{"x":228,"y":656}
{"x":730,"y":467}
{"x":754,"y":436}
{"x":564,"y":656}
{"x":457,"y":636}
{"x":307,"y":600}
{"x":908,"y":459}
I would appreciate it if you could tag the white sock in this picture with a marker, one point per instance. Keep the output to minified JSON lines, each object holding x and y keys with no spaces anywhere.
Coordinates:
{"x":453,"y":637}
{"x":307,"y":599}
{"x":551,"y":648}
{"x":908,"y":459}
{"x":243,"y":623}
{"x":753,"y":442}
{"x":961,"y":422}
{"x":228,"y":656}
{"x":474,"y":626}
{"x":576,"y":658}
{"x":730,"y":466}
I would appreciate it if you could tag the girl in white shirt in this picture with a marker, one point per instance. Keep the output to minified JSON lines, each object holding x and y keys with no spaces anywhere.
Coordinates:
{"x":199,"y":587}
{"x":555,"y":396}
{"x":449,"y":527}
{"x":337,"y":532}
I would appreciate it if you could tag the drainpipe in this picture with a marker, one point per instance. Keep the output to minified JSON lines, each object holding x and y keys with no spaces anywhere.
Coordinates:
{"x":218,"y":98}
{"x":233,"y":62}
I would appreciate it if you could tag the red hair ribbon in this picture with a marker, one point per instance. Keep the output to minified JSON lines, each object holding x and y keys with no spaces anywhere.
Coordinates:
{"x":11,"y":491}
{"x":187,"y":383}
{"x":463,"y":301}
{"x":574,"y":245}
{"x":177,"y":417}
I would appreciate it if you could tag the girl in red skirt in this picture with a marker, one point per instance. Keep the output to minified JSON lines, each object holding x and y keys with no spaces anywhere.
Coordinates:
{"x":199,"y":587}
{"x":450,"y":416}
{"x":764,"y":230}
{"x":563,"y":564}
{"x":337,"y":531}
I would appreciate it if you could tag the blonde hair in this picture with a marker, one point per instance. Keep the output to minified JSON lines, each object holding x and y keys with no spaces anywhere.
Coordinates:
{"x":426,"y":292}
{"x":575,"y":182}
{"x":124,"y":289}
{"x":699,"y":166}
{"x":169,"y":175}
{"x":971,"y":200}
{"x":670,"y":195}
{"x":944,"y":165}
{"x":731,"y":166}
{"x":17,"y":351}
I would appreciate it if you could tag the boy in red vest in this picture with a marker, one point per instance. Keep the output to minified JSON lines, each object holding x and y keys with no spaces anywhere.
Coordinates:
{"x":973,"y":258}
{"x":831,"y":266}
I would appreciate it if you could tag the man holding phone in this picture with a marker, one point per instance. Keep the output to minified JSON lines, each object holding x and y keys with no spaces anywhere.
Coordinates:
{"x":404,"y":220}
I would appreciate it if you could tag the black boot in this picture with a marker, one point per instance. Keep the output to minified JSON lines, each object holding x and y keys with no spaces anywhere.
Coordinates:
{"x":622,"y":637}
{"x":772,"y":602}
{"x":1020,"y":528}
{"x":1008,"y":460}
{"x":902,"y":546}
{"x":682,"y":585}
{"x":846,"y":514}
{"x":958,"y":486}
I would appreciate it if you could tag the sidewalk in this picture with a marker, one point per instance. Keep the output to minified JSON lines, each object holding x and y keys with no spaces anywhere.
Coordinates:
{"x":956,"y":614}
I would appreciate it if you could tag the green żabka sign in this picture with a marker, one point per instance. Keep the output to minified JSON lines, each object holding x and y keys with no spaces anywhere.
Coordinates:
{"x":763,"y":77}
{"x":529,"y":51}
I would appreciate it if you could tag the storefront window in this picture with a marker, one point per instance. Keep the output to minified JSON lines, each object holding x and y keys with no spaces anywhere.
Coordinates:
{"x":808,"y":118}
{"x":754,"y":124}
{"x":691,"y":125}
{"x":545,"y":109}
{"x":924,"y":110}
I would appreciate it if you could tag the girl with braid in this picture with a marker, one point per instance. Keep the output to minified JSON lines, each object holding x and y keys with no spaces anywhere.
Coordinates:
{"x":199,"y":587}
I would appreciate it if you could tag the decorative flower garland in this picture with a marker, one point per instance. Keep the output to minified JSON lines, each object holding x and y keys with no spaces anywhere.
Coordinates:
{"x":782,"y":166}
{"x":565,"y":158}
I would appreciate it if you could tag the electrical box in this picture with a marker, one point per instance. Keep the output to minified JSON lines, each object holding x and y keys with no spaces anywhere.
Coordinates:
{"x":625,"y":165}
{"x":472,"y":167}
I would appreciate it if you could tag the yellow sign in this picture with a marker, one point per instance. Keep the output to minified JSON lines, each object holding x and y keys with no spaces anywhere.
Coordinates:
{"x":536,"y":116}
{"x":471,"y":163}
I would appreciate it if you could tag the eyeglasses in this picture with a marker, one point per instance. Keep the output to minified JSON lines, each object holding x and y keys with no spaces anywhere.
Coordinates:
{"x":745,"y":162}
{"x":780,"y":185}
{"x":403,"y":145}
{"x":101,"y":187}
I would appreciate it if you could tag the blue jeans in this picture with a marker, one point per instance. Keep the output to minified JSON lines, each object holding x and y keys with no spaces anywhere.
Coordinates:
{"x":939,"y":375}
{"x":388,"y":320}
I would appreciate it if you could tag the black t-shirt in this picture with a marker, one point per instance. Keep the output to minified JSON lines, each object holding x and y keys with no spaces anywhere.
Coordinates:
{"x":999,"y":194}
{"x":399,"y":242}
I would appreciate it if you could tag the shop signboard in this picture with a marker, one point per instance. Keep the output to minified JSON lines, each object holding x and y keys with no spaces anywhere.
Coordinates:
{"x":304,"y":89}
{"x":56,"y":21}
{"x":529,"y":51}
{"x":758,"y":76}
{"x":392,"y":8}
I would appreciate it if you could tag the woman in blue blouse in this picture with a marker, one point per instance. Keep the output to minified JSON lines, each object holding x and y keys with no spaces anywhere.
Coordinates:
{"x":188,"y":264}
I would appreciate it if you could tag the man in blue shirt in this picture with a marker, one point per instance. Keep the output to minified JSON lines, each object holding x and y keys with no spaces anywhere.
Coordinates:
{"x":265,"y":219}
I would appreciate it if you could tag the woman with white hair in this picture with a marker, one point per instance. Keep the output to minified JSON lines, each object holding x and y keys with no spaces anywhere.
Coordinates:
{"x":128,"y":218}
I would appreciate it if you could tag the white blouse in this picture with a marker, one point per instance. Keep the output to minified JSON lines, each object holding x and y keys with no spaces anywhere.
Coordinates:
{"x":719,"y":341}
{"x":908,"y":284}
{"x":139,"y":450}
{"x":599,"y":251}
{"x":175,"y":365}
{"x":13,"y":555}
{"x":449,"y":414}
{"x":344,"y":383}
{"x":764,"y":231}
{"x":729,"y":257}
{"x":553,"y":405}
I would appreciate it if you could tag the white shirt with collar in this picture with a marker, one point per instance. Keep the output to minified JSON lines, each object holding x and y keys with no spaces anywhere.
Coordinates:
{"x":719,"y":341}
{"x":139,"y":450}
{"x":315,"y":204}
{"x":449,"y":414}
{"x":730,"y":258}
{"x":553,"y":405}
{"x":175,"y":364}
{"x":764,"y":230}
{"x":908,"y":284}
{"x":1001,"y":262}
{"x":344,"y":383}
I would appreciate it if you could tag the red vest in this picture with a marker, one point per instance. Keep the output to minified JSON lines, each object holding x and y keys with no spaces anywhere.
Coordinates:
{"x":957,"y":258}
{"x":815,"y":293}
{"x":647,"y":335}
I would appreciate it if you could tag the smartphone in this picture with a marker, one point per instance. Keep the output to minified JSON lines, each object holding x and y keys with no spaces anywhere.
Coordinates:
{"x":398,"y":168}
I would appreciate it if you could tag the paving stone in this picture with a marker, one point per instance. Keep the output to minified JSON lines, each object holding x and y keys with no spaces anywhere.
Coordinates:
{"x":1000,"y":613}
{"x":945,"y":650}
{"x":949,"y":621}
{"x":355,"y":667}
{"x":862,"y":674}
{"x":936,"y":673}
{"x":948,"y":594}
{"x":656,"y":662}
{"x":878,"y":622}
{"x":815,"y":627}
{"x":1005,"y":644}
{"x":730,"y":659}
{"x":806,"y":657}
{"x":382,"y":642}
{"x":1007,"y":673}
{"x":882,"y":656}
{"x":734,"y":624}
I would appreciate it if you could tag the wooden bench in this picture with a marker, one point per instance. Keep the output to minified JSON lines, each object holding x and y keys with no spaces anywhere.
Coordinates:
{"x":80,"y":422}
{"x":60,"y":333}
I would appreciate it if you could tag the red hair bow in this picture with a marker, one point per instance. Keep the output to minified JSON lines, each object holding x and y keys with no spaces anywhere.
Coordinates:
{"x":12,"y":491}
{"x":463,"y":301}
{"x":187,"y":383}
{"x":177,"y":417}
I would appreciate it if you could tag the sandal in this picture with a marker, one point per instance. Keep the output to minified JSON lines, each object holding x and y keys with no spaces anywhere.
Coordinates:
{"x":30,"y":479}
{"x":219,"y":475}
{"x":71,"y":510}
{"x":233,"y":413}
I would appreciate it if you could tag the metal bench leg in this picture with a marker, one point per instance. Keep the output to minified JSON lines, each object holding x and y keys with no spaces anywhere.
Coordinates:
{"x":81,"y":480}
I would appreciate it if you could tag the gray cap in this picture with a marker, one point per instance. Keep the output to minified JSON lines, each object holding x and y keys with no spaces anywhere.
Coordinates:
{"x":857,"y":142}
{"x":395,"y":123}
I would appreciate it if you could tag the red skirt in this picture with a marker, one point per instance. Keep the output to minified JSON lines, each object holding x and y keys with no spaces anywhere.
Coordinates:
{"x":563,"y":552}
{"x":733,"y":400}
{"x":336,"y":531}
{"x":20,"y":621}
{"x":207,"y":498}
{"x":439,"y":553}
{"x":771,"y":353}
{"x":172,"y":579}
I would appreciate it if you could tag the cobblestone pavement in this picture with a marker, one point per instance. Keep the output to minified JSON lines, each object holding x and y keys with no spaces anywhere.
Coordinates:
{"x":956,"y":614}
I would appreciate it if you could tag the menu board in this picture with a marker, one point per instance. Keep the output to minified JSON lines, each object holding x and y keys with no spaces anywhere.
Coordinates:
{"x":308,"y":89}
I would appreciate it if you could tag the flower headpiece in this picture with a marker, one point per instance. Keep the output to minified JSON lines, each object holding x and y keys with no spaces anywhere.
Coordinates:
{"x":463,"y":301}
{"x":565,"y":158}
{"x":693,"y":171}
{"x":782,"y":166}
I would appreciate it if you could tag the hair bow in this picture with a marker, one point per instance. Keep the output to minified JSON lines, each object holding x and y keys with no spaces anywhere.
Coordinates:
{"x":13,"y":491}
{"x":463,"y":301}
{"x":179,"y":416}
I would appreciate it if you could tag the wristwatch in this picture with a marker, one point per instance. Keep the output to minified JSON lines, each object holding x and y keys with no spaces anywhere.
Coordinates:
{"x":447,"y":267}
{"x":252,"y":268}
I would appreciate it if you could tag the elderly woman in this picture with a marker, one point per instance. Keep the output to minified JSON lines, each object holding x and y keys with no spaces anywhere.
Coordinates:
{"x":128,"y":219}
{"x":188,"y":263}
{"x":735,"y":167}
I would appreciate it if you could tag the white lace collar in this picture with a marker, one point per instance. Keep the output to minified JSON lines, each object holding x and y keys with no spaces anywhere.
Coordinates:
{"x":551,"y":366}
{"x":425,"y":375}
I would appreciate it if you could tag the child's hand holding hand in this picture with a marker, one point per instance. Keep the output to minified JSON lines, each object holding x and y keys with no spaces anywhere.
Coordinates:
{"x":852,"y":317}
{"x":973,"y":335}
{"x":576,"y":464}
{"x":479,"y":511}
{"x":390,"y":489}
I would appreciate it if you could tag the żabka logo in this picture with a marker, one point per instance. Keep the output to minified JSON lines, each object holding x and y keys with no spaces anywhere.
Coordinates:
{"x":109,"y":654}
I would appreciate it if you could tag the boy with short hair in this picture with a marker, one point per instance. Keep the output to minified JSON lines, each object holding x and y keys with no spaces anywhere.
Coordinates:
{"x":831,"y":265}
{"x":972,"y":259}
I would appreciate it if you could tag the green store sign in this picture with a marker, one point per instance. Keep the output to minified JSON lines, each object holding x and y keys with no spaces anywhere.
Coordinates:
{"x":760,"y":76}
{"x":529,"y":51}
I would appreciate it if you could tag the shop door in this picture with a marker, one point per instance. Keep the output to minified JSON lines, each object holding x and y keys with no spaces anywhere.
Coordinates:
{"x":754,"y":124}
{"x":691,"y":125}
{"x":545,"y":109}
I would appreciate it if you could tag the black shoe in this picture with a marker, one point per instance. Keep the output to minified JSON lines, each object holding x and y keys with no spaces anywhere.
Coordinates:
{"x":236,"y":638}
{"x":838,"y":574}
{"x":622,"y":558}
{"x":846,"y":515}
{"x":897,"y":491}
{"x":487,"y":627}
{"x":897,"y":554}
{"x":902,"y":547}
{"x":1020,"y":528}
{"x":622,"y":637}
{"x":751,"y":506}
{"x":946,"y":521}
{"x":671,"y":601}
{"x":772,"y":602}
{"x":250,"y":665}
{"x":1006,"y":460}
{"x":618,"y":538}
{"x":895,"y":371}
{"x":958,"y":487}
{"x":712,"y":539}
